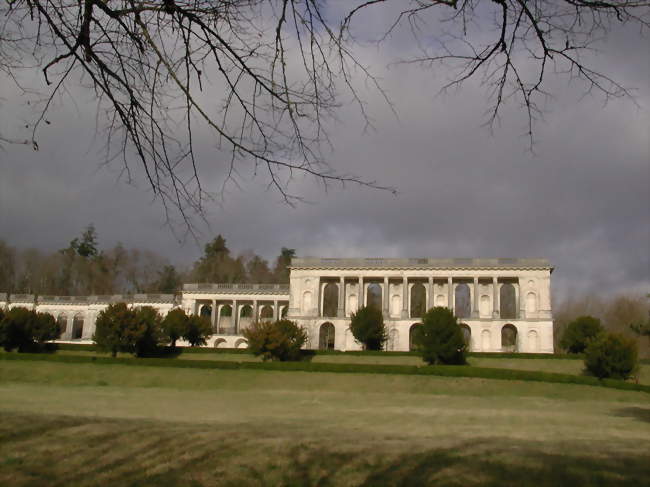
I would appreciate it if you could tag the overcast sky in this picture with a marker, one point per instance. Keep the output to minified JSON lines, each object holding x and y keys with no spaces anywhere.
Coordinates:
{"x":582,"y":200}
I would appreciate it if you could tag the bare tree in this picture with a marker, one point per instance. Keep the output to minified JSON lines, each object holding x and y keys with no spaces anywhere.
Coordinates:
{"x":262,"y":76}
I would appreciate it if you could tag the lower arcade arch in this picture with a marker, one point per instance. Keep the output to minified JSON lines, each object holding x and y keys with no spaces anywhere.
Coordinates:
{"x":326,"y":336}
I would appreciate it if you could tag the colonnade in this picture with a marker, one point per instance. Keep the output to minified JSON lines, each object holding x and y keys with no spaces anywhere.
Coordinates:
{"x":237,"y":307}
{"x":504,"y":293}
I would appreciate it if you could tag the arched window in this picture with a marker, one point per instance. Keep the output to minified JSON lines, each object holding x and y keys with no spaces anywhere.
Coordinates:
{"x":206,"y":310}
{"x":533,"y":341}
{"x":508,"y":300}
{"x":414,"y":331}
{"x":218,"y":342}
{"x":266,"y":313}
{"x":463,"y":304}
{"x":283,"y":312}
{"x":509,"y":338}
{"x":467,"y":335}
{"x":531,"y":303}
{"x":374,"y":296}
{"x":326,"y":336}
{"x":306,"y":302}
{"x":330,"y":299}
{"x":418,"y":300}
{"x":62,"y":321}
{"x":226,"y":311}
{"x":78,"y":326}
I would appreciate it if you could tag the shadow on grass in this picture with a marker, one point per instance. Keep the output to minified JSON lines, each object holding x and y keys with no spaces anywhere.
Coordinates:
{"x":642,"y":414}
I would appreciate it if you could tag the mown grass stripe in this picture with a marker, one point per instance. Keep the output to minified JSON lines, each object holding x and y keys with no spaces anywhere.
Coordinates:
{"x":434,"y":370}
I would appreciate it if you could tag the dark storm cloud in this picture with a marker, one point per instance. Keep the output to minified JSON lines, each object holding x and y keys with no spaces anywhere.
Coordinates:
{"x":581,"y":200}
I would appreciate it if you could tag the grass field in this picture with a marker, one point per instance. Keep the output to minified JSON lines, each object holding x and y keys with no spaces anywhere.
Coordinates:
{"x":90,"y":424}
{"x":563,"y":366}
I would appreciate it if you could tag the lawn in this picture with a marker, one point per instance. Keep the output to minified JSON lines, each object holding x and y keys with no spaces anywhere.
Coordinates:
{"x":91,"y":424}
{"x":558,"y":365}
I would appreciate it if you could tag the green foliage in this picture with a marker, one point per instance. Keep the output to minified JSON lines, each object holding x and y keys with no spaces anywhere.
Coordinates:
{"x":115,"y":329}
{"x":148,"y":333}
{"x":169,"y":281}
{"x":641,"y":328}
{"x":280,"y":340}
{"x":26,"y":330}
{"x":197,"y":331}
{"x":440,"y":338}
{"x":174,"y":325}
{"x":612,"y":355}
{"x":87,"y":245}
{"x":367,"y":326}
{"x":434,"y":370}
{"x":579,"y":332}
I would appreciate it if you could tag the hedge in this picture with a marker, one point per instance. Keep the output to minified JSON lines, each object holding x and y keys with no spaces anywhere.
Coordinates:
{"x":437,"y":370}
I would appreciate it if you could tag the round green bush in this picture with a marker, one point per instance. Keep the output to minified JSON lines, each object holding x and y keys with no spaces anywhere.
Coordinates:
{"x":367,"y":326}
{"x":280,"y":340}
{"x":612,"y":355}
{"x":440,"y":338}
{"x":579,"y":333}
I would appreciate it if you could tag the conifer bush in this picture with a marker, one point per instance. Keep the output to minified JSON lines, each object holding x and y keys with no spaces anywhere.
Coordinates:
{"x":440,"y":338}
{"x":612,"y":355}
{"x":367,"y":326}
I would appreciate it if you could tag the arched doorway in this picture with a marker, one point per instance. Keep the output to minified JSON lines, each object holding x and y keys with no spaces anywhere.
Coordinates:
{"x":326,"y":336}
{"x":225,"y":319}
{"x":330,"y":299}
{"x":508,"y":299}
{"x":78,"y":326}
{"x":266,"y":313}
{"x":467,"y":335}
{"x":462,"y":301}
{"x":509,"y":338}
{"x":418,"y":300}
{"x":205,"y":311}
{"x":414,"y":333}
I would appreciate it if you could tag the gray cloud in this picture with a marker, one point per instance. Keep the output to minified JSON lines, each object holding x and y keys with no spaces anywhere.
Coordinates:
{"x":581,"y":200}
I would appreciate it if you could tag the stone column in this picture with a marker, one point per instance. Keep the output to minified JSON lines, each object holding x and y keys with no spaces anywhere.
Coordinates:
{"x":386,"y":299}
{"x":405,"y":297}
{"x":276,"y":311}
{"x":256,"y":312}
{"x":475,"y":307}
{"x":450,"y":294}
{"x":213,"y":314}
{"x":432,"y":295}
{"x":340,"y":312}
{"x":361,"y":301}
{"x":219,"y":319}
{"x":495,"y":298}
{"x":234,"y":317}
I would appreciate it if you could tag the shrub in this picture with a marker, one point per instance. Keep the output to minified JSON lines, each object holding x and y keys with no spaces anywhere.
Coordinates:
{"x":612,"y":355}
{"x":148,"y":332}
{"x":174,"y":325}
{"x":197,"y":331}
{"x":367,"y":326}
{"x":27,"y":330}
{"x":116,"y":329}
{"x":579,"y":332}
{"x":280,"y":340}
{"x":440,"y":338}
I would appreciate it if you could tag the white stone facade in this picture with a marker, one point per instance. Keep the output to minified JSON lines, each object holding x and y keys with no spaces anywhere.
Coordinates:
{"x":503,"y":304}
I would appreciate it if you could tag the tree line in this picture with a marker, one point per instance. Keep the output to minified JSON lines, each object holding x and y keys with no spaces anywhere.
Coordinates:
{"x":83,"y":268}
